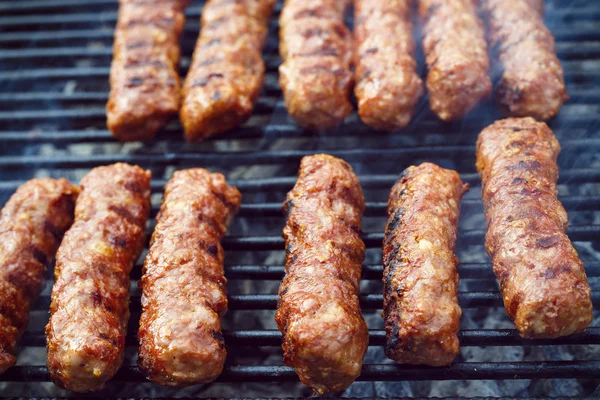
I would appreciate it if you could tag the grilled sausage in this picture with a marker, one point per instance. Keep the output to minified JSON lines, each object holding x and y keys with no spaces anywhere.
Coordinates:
{"x":315,"y":76}
{"x":184,"y":272}
{"x":32,"y":224}
{"x":532,"y":82}
{"x":227,"y":70}
{"x":541,"y":277}
{"x":324,"y":334}
{"x":421,"y":310}
{"x":90,"y":299}
{"x":387,"y":84}
{"x":456,"y":56}
{"x":144,"y":80}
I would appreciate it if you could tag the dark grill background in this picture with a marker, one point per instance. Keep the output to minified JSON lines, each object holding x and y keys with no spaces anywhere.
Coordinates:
{"x":54,"y":63}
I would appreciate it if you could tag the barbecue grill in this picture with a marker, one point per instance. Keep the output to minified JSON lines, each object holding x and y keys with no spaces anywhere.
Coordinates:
{"x":54,"y":64}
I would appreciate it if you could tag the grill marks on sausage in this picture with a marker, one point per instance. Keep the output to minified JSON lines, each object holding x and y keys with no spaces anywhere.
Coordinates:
{"x":124,"y":213}
{"x":314,"y":41}
{"x":317,"y":310}
{"x":388,"y":86}
{"x":532,"y":81}
{"x":526,"y":235}
{"x":456,"y":55}
{"x":205,"y":80}
{"x":421,"y":318}
{"x":184,"y":272}
{"x":227,"y":70}
{"x":90,"y":298}
{"x":32,"y":224}
{"x":144,"y":75}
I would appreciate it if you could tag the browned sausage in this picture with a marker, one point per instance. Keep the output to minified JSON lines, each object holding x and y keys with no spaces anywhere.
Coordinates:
{"x":32,"y":225}
{"x":541,"y":277}
{"x":387,"y":84}
{"x":315,"y":76}
{"x":90,"y":298}
{"x":324,"y":334}
{"x":144,"y":81}
{"x":421,"y":310}
{"x":184,"y":289}
{"x":456,"y":55}
{"x":227,"y":70}
{"x":532,"y":82}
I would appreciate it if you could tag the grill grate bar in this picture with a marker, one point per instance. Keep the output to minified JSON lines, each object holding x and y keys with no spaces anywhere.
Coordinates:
{"x":274,"y":131}
{"x":367,"y":301}
{"x":582,"y":33}
{"x":36,"y":5}
{"x":374,"y":240}
{"x":576,"y":94}
{"x":468,"y":337}
{"x":374,"y":271}
{"x":45,"y":4}
{"x":583,"y":175}
{"x":263,"y":105}
{"x":563,"y":14}
{"x":271,"y":62}
{"x":379,"y":208}
{"x":272,"y":157}
{"x":370,"y":372}
{"x":566,"y":51}
{"x":480,"y":271}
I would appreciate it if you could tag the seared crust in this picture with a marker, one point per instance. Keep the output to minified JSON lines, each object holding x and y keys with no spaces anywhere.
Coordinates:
{"x":456,"y":55}
{"x":532,"y":82}
{"x":32,"y":224}
{"x":316,"y":47}
{"x":184,"y":287}
{"x":541,"y":277}
{"x":90,"y":298}
{"x":144,"y":80}
{"x":387,"y":84}
{"x":420,"y":303}
{"x":324,"y":334}
{"x":227,"y":70}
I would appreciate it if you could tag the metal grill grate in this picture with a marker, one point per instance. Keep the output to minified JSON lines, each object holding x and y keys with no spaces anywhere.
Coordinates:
{"x":54,"y":63}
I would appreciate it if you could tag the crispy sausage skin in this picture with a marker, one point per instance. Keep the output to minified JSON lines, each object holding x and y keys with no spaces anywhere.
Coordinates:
{"x":387,"y":84}
{"x":421,"y":310}
{"x":315,"y":76}
{"x":456,"y":55}
{"x":532,"y":82}
{"x":227,"y":70}
{"x":184,"y":287}
{"x":541,"y":277}
{"x":90,"y":299}
{"x":32,"y":224}
{"x":144,"y":80}
{"x":324,"y":334}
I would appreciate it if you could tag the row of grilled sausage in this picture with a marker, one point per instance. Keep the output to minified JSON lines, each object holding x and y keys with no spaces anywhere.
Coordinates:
{"x":541,"y":277}
{"x":319,"y":54}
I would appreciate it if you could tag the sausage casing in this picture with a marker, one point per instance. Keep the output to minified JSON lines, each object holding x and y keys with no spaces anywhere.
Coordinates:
{"x":532,"y":82}
{"x":32,"y":225}
{"x":227,"y":70}
{"x":315,"y":76}
{"x":542,"y":279}
{"x":387,"y":84}
{"x":324,"y":334}
{"x":90,"y":298}
{"x":421,"y":310}
{"x":144,"y":78}
{"x":184,"y":287}
{"x":456,"y":55}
